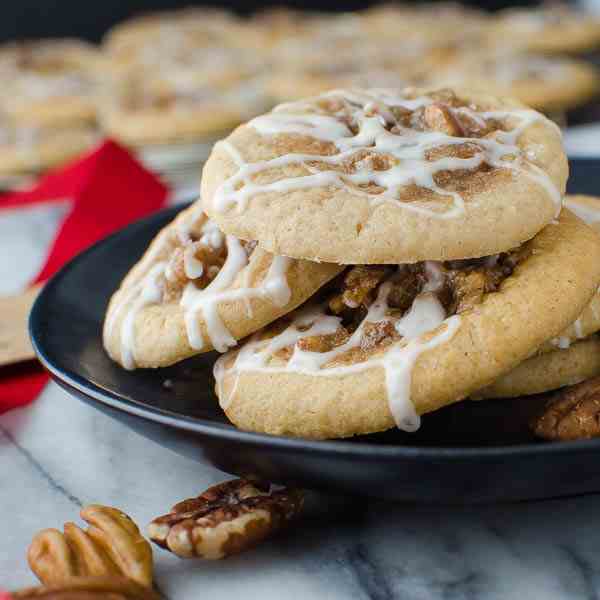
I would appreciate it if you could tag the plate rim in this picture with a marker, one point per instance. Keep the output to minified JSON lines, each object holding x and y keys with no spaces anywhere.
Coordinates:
{"x":228,"y":432}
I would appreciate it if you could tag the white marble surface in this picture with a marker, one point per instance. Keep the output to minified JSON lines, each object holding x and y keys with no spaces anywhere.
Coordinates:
{"x":59,"y":454}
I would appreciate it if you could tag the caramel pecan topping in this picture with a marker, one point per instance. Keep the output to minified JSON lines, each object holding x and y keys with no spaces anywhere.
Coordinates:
{"x":573,"y":413}
{"x":359,"y":285}
{"x":226,"y":519}
{"x":460,"y":286}
{"x":89,"y":588}
{"x":111,"y":546}
{"x":437,"y":117}
{"x":211,"y":259}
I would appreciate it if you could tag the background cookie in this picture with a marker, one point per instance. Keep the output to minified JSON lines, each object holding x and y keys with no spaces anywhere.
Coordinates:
{"x":26,"y":150}
{"x":356,"y":168}
{"x":551,"y":28}
{"x":196,"y":289}
{"x":51,"y":83}
{"x":546,"y":83}
{"x":271,"y":387}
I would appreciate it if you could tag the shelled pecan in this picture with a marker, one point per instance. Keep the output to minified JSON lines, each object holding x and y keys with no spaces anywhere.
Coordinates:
{"x":112,"y":546}
{"x":226,"y":519}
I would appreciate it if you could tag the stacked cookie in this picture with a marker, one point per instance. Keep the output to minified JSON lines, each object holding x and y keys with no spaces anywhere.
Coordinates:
{"x":382,"y":254}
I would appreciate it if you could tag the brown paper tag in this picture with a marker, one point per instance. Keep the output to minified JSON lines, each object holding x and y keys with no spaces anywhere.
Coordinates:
{"x":14,"y":337}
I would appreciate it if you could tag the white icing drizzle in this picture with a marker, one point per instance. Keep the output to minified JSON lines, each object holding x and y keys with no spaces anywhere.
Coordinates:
{"x":195,"y":301}
{"x":146,"y":292}
{"x":425,"y":315}
{"x":192,"y":266}
{"x":371,"y":112}
{"x":562,"y":342}
{"x":578,"y":327}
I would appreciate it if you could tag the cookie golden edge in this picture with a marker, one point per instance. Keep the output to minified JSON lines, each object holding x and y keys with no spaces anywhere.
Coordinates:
{"x":294,"y":224}
{"x":160,"y":336}
{"x":533,"y":304}
{"x":547,"y":372}
{"x":588,"y":322}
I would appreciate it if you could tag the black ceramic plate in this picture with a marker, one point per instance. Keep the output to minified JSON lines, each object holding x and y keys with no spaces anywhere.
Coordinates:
{"x":471,"y":452}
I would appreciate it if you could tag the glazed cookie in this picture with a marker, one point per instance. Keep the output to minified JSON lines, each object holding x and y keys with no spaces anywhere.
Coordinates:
{"x":314,"y":66}
{"x":164,"y":110}
{"x":546,"y":83}
{"x":549,"y":371}
{"x":285,"y":85}
{"x":388,"y":177}
{"x":169,"y":30}
{"x":547,"y":29}
{"x":586,"y":208}
{"x":386,"y":344}
{"x":51,"y":83}
{"x":183,"y":95}
{"x":197,"y":289}
{"x":422,"y":21}
{"x":26,"y":150}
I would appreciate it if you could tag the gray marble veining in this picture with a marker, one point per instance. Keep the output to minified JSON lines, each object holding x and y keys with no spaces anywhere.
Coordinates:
{"x":60,"y":453}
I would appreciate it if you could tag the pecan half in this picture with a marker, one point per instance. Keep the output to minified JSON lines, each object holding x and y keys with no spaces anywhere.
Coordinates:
{"x":573,"y":413}
{"x":89,"y":588}
{"x":111,"y":546}
{"x":226,"y":519}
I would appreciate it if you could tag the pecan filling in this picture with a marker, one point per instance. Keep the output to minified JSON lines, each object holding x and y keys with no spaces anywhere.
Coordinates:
{"x":197,"y":259}
{"x":447,"y":114}
{"x":459,"y":286}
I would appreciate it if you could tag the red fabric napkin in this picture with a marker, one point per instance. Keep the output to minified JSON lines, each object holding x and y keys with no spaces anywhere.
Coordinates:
{"x":106,"y":189}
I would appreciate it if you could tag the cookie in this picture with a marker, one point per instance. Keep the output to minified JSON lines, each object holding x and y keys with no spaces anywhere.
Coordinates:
{"x":169,"y":31}
{"x":312,"y":65}
{"x":27,"y":150}
{"x":185,"y":94}
{"x":285,"y":85}
{"x":587,"y":323}
{"x":196,"y":289}
{"x":548,"y":371}
{"x":147,"y":110}
{"x":422,"y":21}
{"x":546,"y":83}
{"x":51,"y":83}
{"x":552,"y":29}
{"x":388,"y":177}
{"x":386,"y":344}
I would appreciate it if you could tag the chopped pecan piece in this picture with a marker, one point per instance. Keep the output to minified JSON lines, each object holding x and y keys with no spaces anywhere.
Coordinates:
{"x":324,"y":343}
{"x":375,"y":334}
{"x":226,"y":519}
{"x":111,"y":546}
{"x":572,"y":413}
{"x":207,"y":256}
{"x":406,"y":288}
{"x":89,"y":588}
{"x":438,"y":117}
{"x":469,"y":288}
{"x":359,"y":283}
{"x":367,"y":160}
